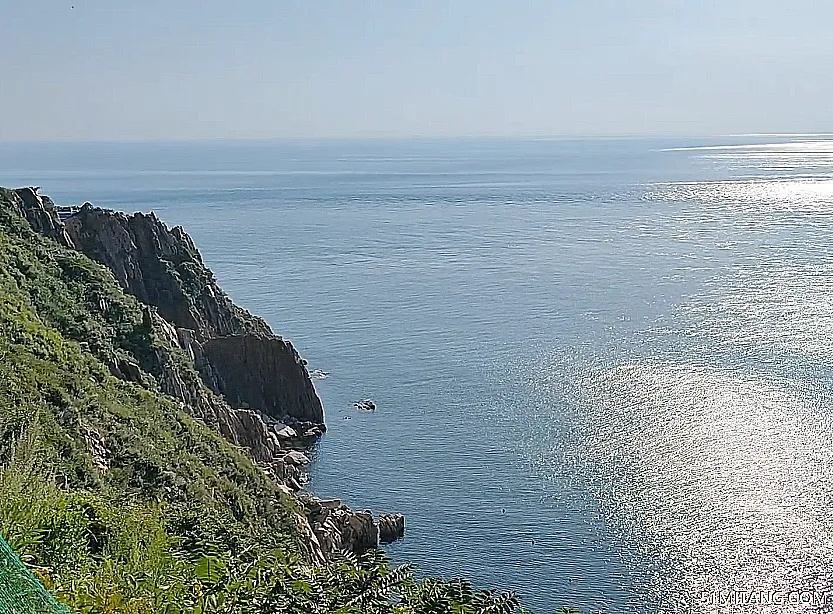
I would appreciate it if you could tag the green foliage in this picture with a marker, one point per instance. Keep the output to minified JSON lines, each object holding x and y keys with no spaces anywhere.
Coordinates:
{"x":120,"y":501}
{"x":100,"y":554}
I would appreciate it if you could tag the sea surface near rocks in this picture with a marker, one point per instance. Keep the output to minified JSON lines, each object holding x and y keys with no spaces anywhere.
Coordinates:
{"x":601,"y":368}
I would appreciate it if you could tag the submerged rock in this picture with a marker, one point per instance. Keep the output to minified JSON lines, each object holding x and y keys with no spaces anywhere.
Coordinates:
{"x":366,"y":405}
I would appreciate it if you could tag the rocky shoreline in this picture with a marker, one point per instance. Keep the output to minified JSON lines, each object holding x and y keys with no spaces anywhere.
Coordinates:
{"x":221,"y":363}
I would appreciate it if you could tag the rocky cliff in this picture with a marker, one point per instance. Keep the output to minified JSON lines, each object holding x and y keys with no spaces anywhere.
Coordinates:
{"x":261,"y":371}
{"x":40,"y":212}
{"x":184,"y":310}
{"x":162,"y":267}
{"x":222,"y":364}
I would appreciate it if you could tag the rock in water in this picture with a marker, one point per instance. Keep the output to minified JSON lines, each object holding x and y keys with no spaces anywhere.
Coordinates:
{"x":296,"y":458}
{"x":391,"y":527}
{"x":337,"y":527}
{"x":283,"y":431}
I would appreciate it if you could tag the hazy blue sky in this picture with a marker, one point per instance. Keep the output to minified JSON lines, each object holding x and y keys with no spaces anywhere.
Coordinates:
{"x":179,"y":69}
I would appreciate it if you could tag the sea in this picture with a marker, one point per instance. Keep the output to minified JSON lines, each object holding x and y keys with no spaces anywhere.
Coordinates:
{"x":602,"y":368}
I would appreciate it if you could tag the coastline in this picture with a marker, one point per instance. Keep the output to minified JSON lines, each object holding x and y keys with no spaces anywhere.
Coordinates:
{"x":174,"y":432}
{"x":255,"y":388}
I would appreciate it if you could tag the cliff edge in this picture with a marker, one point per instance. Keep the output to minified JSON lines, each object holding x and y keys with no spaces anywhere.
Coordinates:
{"x":163,"y":268}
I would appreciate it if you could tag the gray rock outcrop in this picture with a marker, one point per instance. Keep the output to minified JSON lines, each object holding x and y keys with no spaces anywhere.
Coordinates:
{"x":237,"y":353}
{"x":263,"y":371}
{"x":336,"y":527}
{"x":160,"y":267}
{"x":391,"y":527}
{"x":40,"y":212}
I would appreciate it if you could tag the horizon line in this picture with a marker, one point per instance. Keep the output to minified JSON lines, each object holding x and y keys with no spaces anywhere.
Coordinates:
{"x":391,"y":138}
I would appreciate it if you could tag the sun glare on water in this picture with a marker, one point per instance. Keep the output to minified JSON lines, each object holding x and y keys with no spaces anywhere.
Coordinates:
{"x":724,"y":466}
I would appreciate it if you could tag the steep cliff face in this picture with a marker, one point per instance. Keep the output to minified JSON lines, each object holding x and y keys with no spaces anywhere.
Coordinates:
{"x":260,"y":371}
{"x":162,"y":267}
{"x":131,"y":339}
{"x":245,"y":428}
{"x":182,"y":309}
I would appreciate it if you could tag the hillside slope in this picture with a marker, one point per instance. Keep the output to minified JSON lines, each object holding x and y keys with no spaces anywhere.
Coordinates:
{"x":119,"y":486}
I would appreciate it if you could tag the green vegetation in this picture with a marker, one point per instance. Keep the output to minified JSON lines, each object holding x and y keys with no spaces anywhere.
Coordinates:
{"x":119,"y":500}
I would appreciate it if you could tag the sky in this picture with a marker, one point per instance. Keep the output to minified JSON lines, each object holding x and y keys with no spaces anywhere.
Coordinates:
{"x":117,"y":70}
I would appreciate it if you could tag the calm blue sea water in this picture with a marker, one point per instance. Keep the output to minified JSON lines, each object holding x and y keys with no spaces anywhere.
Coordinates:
{"x":602,"y":367}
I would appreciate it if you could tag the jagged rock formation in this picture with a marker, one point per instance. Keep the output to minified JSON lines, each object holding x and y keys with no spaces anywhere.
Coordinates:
{"x":332,"y":527}
{"x":185,"y":308}
{"x":163,"y":268}
{"x":336,"y":527}
{"x":237,"y":353}
{"x":244,"y":427}
{"x":39,"y":211}
{"x":391,"y":527}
